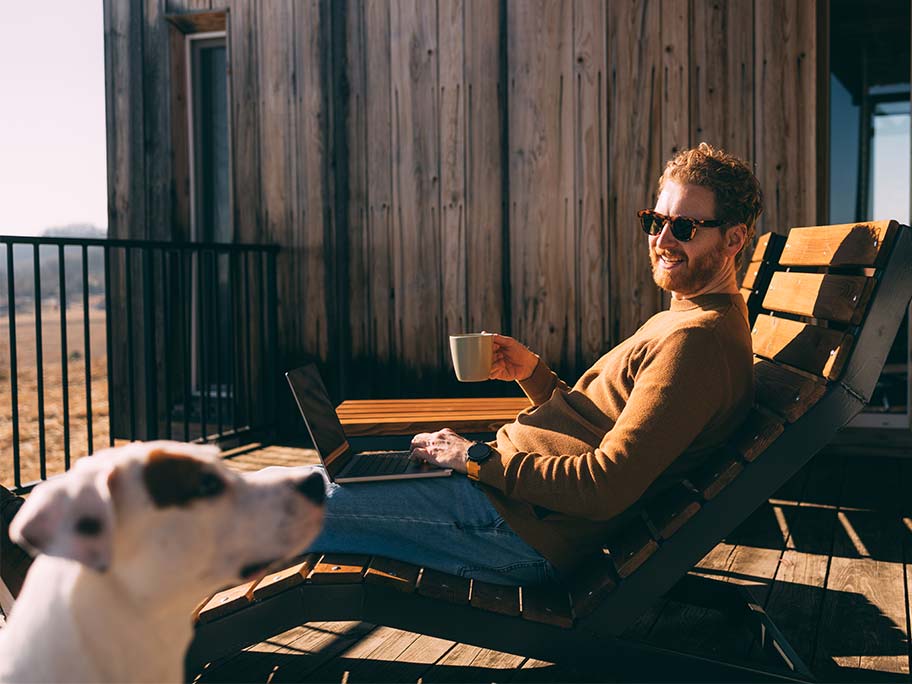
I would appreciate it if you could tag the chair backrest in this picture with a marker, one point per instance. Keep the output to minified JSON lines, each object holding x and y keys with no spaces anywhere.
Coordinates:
{"x":828,"y":311}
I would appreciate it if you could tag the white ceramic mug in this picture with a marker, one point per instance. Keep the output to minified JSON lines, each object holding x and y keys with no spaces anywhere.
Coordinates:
{"x":473,"y":355}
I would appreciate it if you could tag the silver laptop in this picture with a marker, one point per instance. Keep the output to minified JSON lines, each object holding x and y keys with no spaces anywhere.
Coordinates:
{"x":342,"y":465}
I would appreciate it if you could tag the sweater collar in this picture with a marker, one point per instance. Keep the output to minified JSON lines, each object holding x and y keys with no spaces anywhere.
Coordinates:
{"x":707,"y":301}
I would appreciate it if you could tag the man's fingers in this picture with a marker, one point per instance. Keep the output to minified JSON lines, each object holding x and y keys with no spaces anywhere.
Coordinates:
{"x":421,"y":439}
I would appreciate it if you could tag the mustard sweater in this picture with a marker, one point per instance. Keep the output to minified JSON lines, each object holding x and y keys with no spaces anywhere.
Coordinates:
{"x":653,"y":407}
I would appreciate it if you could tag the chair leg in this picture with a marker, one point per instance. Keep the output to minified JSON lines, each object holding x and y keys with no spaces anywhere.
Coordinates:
{"x":738,"y":601}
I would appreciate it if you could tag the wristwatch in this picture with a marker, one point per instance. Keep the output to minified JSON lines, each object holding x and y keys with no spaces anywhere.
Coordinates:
{"x":477,"y":454}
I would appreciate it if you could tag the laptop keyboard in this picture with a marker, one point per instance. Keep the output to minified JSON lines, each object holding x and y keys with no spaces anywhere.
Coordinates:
{"x":384,"y":463}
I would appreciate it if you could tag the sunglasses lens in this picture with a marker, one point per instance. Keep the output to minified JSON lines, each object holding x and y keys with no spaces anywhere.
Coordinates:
{"x":682,"y":229}
{"x":651,"y":225}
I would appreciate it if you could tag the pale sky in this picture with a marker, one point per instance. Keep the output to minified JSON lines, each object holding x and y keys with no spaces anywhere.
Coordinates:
{"x":52,"y":115}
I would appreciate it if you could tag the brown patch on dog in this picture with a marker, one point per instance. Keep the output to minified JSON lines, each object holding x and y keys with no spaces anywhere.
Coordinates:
{"x":178,"y":480}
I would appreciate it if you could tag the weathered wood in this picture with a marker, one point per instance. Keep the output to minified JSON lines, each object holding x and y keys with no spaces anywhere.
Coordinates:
{"x":671,"y":510}
{"x":818,"y":295}
{"x":277,"y":582}
{"x":309,"y":274}
{"x":630,"y":548}
{"x":783,"y":391}
{"x":392,"y":574}
{"x":713,"y":476}
{"x":634,"y":59}
{"x":588,"y":116}
{"x":797,"y":592}
{"x":496,"y":598}
{"x":849,"y":244}
{"x":416,"y":184}
{"x":379,"y":153}
{"x":227,"y":602}
{"x":451,"y":94}
{"x":439,"y":585}
{"x":722,"y":74}
{"x":785,"y":112}
{"x":539,"y":41}
{"x":820,"y":351}
{"x":339,"y":568}
{"x":548,"y":604}
{"x":758,"y":431}
{"x":867,"y":560}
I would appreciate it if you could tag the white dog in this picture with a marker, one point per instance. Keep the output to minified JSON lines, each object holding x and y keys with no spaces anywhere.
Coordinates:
{"x":131,"y":540}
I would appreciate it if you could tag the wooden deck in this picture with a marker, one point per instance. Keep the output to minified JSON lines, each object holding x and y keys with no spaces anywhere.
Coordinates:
{"x":830,"y":557}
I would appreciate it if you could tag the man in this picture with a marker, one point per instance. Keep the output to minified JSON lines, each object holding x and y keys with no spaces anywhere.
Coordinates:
{"x":547,"y":491}
{"x":544,"y":495}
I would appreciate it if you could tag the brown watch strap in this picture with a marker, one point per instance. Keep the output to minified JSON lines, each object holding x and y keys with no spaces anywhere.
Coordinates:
{"x":473,"y":469}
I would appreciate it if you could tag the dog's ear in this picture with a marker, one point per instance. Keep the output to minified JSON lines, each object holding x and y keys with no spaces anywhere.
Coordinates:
{"x":70,"y":517}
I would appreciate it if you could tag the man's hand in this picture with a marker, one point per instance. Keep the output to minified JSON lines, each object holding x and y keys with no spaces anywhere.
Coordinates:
{"x":443,"y":448}
{"x":512,"y":360}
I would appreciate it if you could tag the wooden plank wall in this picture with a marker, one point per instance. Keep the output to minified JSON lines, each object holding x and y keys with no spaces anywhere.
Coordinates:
{"x":495,"y":153}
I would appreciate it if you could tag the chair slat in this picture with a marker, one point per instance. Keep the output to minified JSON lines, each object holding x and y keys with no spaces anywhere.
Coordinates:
{"x":594,"y":580}
{"x":339,"y":568}
{"x":714,"y":475}
{"x":758,"y":431}
{"x":631,"y":547}
{"x":547,"y":603}
{"x":671,"y":509}
{"x":750,"y":276}
{"x":227,"y":602}
{"x":292,"y":576}
{"x":763,"y":247}
{"x":848,"y":244}
{"x":443,"y":587}
{"x":818,"y":295}
{"x":393,"y":574}
{"x":783,"y":391}
{"x":495,"y":598}
{"x":820,"y":351}
{"x":746,"y":294}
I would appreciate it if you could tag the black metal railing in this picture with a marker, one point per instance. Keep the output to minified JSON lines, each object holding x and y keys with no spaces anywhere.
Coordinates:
{"x":135,"y":339}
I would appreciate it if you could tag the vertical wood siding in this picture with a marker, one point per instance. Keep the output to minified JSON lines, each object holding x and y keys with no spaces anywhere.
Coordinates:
{"x":495,"y":153}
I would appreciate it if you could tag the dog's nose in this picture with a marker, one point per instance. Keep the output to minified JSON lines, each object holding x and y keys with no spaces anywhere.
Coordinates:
{"x":313,"y":488}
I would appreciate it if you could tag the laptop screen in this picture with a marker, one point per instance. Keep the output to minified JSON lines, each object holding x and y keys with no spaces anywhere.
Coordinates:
{"x":319,"y":415}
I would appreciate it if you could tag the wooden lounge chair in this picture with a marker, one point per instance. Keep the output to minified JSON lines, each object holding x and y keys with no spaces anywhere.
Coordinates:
{"x":835,"y":301}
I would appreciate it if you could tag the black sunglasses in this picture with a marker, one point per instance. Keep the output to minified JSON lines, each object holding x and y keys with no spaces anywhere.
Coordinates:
{"x":682,"y":227}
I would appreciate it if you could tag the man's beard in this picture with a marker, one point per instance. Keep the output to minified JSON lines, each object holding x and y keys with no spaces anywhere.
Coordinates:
{"x":691,"y":276}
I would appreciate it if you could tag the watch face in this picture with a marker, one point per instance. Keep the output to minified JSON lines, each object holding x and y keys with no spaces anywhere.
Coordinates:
{"x":479,"y":452}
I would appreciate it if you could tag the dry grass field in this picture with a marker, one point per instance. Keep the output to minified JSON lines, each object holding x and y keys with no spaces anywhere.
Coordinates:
{"x":53,"y":364}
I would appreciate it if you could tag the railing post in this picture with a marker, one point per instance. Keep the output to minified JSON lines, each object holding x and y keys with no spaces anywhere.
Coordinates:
{"x":151,"y":371}
{"x":273,"y":298}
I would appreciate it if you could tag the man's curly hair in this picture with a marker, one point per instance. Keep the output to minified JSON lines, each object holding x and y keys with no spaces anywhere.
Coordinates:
{"x":736,"y":188}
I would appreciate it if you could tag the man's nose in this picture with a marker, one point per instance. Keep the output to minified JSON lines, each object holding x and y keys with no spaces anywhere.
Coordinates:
{"x":665,"y":239}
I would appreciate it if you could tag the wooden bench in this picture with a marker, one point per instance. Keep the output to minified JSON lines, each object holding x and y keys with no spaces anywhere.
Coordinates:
{"x":387,"y":417}
{"x":827,"y":319}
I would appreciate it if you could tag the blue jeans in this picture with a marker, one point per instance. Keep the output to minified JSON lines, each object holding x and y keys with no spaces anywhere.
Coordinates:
{"x":443,"y":523}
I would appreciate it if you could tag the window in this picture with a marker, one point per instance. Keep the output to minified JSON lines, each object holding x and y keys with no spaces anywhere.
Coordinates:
{"x":870,"y":153}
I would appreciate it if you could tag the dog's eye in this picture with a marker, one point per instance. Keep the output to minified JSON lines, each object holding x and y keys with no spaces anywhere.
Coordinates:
{"x":209,"y":485}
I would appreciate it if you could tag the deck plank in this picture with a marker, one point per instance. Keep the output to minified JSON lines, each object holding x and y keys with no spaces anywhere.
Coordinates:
{"x":796,"y":597}
{"x":864,"y":587}
{"x":465,"y":663}
{"x":291,"y":653}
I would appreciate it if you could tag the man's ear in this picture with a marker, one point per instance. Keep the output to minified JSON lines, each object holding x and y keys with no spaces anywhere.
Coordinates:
{"x":735,"y":237}
{"x":71,"y":516}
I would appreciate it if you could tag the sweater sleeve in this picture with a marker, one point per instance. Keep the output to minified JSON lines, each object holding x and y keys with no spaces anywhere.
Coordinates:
{"x":678,"y":389}
{"x":541,"y":384}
